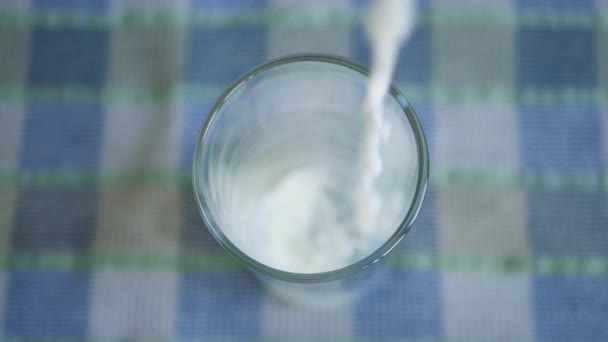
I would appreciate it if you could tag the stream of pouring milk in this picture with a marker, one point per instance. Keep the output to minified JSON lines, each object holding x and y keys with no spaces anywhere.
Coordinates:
{"x":389,"y":23}
{"x":298,"y":220}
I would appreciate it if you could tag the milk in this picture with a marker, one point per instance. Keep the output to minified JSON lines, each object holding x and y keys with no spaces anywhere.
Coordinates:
{"x":389,"y":22}
{"x":292,"y":205}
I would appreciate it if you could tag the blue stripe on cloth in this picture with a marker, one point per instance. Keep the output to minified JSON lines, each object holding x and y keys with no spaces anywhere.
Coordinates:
{"x":68,"y":57}
{"x":240,"y":5}
{"x":3,"y":295}
{"x":548,"y":57}
{"x":62,"y":136}
{"x":221,"y":55}
{"x":414,"y":65}
{"x":219,"y":306}
{"x":47,"y":305}
{"x":568,"y":223}
{"x":554,"y":4}
{"x":566,"y":139}
{"x":68,"y":5}
{"x":55,"y":220}
{"x":405,"y":304}
{"x":570,"y":308}
{"x":423,"y":236}
{"x":196,"y":112}
{"x":58,"y":137}
{"x":194,"y":236}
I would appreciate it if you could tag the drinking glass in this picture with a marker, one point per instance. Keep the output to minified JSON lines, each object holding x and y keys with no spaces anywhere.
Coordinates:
{"x":299,"y":113}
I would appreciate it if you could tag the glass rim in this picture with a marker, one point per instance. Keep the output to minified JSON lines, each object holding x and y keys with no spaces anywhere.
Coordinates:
{"x":400,"y":232}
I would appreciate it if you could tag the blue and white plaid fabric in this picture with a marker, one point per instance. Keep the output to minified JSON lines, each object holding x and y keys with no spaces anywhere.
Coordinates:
{"x":100,"y":239}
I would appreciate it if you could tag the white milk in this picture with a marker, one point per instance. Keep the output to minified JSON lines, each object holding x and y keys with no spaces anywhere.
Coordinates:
{"x":300,"y":219}
{"x":389,"y":22}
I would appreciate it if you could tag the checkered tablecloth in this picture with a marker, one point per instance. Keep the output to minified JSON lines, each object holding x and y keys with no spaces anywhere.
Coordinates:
{"x":100,"y":238}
